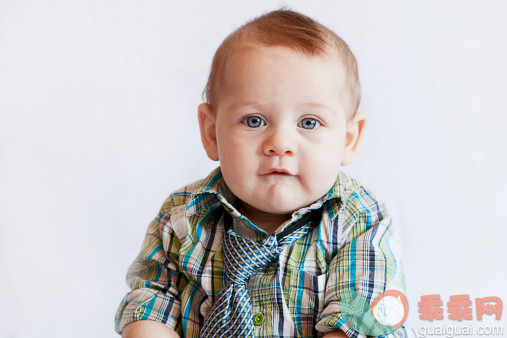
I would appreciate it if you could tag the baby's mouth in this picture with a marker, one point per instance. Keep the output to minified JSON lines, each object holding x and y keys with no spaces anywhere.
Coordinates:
{"x":278,"y":172}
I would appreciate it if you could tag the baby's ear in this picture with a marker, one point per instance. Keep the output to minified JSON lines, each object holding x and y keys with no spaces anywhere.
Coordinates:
{"x":208,"y":130}
{"x":355,"y":129}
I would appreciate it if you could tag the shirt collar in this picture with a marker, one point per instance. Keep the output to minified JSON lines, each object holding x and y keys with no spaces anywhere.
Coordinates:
{"x":332,"y":201}
{"x":213,"y":189}
{"x":210,"y":190}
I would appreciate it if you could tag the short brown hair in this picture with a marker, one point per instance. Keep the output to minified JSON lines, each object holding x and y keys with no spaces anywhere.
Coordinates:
{"x":287,"y":28}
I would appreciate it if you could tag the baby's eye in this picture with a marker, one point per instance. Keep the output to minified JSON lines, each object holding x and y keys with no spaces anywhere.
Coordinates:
{"x":253,"y":121}
{"x":309,"y":123}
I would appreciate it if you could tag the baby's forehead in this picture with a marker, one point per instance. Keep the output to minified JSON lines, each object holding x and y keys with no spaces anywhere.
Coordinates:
{"x":251,"y":50}
{"x":266,"y":77}
{"x":242,"y":49}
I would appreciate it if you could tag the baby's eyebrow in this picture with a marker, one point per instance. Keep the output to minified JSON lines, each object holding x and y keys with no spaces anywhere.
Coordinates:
{"x":239,"y":104}
{"x":317,"y":105}
{"x":260,"y":106}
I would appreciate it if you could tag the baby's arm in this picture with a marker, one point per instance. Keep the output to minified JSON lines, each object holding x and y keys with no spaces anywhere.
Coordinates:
{"x":156,"y":281}
{"x":366,"y":265}
{"x":148,"y":329}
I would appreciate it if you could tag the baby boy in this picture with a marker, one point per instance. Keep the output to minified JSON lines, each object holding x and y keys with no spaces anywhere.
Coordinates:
{"x":276,"y":241}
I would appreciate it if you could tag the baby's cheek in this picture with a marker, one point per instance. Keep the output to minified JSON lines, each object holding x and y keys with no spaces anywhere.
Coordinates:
{"x":320,"y":174}
{"x":238,"y":173}
{"x":322,"y":162}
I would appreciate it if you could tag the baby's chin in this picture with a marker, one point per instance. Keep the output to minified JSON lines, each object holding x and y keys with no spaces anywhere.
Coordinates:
{"x":278,"y":199}
{"x":279,"y":206}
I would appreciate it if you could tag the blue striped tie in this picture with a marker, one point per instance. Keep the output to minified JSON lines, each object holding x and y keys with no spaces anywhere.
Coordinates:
{"x":231,"y":314}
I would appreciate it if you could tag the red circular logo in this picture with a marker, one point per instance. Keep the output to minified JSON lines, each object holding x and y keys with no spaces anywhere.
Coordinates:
{"x":390,"y":308}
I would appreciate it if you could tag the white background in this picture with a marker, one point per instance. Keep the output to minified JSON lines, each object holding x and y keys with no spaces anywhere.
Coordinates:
{"x":98,"y":106}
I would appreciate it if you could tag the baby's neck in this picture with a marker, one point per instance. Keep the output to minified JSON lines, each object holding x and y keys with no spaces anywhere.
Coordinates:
{"x":264,"y":220}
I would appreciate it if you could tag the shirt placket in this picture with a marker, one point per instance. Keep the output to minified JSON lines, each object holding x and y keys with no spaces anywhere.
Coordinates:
{"x":263,"y":294}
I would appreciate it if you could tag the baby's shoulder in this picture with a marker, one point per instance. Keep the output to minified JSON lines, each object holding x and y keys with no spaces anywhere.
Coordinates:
{"x":356,"y":196}
{"x":363,"y":211}
{"x":180,"y":196}
{"x":359,"y":210}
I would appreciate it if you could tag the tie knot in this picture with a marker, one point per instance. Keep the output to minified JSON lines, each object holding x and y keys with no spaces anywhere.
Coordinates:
{"x":242,"y":257}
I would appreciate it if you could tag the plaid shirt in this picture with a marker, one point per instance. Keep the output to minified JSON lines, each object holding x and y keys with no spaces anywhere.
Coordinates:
{"x":179,"y":272}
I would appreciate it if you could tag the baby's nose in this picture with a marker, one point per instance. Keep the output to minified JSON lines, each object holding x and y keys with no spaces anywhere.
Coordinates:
{"x":279,"y":143}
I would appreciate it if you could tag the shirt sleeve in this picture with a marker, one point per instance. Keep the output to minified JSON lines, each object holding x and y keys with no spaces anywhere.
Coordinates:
{"x":366,"y":266}
{"x":154,"y":278}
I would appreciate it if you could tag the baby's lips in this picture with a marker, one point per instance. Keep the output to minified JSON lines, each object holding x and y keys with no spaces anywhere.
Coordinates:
{"x":277,"y":171}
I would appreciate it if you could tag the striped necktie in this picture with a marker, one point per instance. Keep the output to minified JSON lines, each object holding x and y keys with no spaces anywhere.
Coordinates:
{"x":231,"y":314}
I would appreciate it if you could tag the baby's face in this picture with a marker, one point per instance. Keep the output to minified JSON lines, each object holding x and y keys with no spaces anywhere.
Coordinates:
{"x":281,"y":128}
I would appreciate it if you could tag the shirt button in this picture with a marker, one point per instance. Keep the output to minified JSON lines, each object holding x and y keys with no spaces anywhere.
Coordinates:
{"x":258,"y":319}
